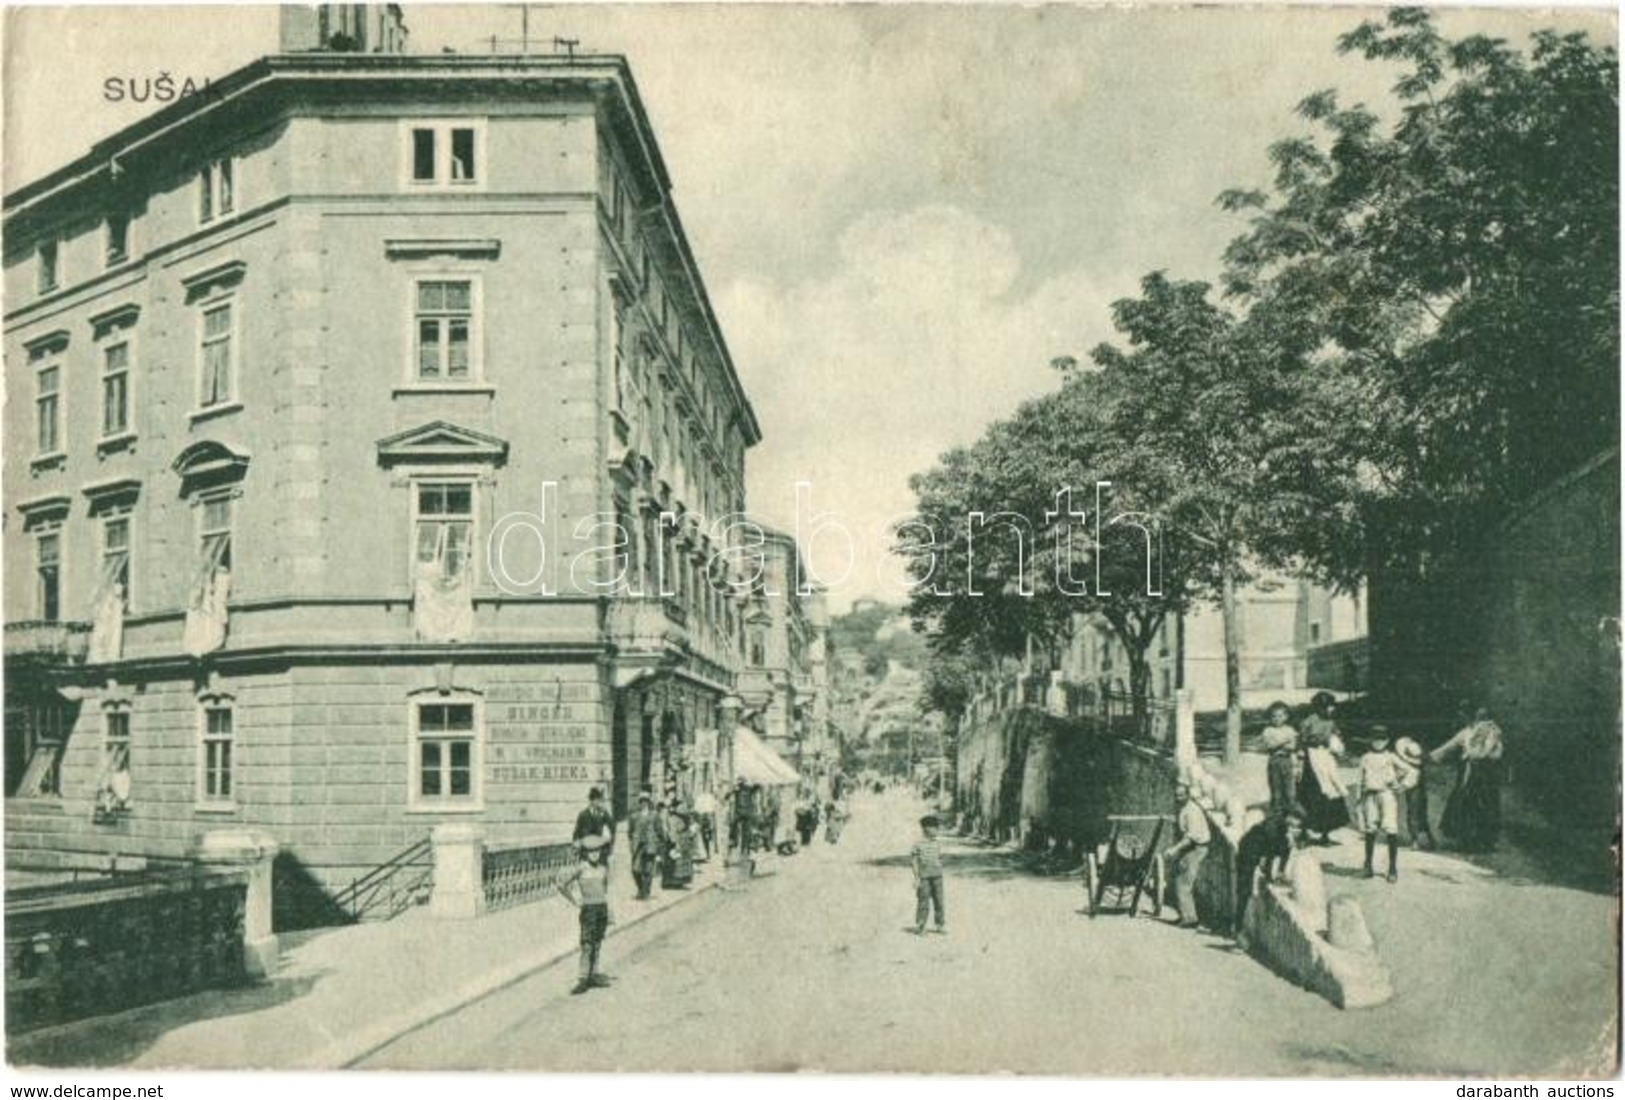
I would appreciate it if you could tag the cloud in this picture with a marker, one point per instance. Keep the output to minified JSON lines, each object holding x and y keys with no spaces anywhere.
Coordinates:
{"x":863,"y":374}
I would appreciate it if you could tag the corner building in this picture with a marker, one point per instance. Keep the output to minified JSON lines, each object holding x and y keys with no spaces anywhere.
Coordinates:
{"x":296,"y":368}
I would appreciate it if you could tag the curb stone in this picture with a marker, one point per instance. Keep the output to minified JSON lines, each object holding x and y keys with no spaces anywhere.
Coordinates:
{"x":370,"y":1040}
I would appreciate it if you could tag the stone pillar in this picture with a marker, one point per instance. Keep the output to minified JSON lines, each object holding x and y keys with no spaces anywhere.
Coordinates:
{"x":1184,"y":726}
{"x":728,"y":710}
{"x":253,"y":851}
{"x":459,"y":874}
{"x":1347,"y":925}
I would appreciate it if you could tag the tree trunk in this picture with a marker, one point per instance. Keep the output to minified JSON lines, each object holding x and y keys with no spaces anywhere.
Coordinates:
{"x":1232,"y":665}
{"x":1139,"y":683}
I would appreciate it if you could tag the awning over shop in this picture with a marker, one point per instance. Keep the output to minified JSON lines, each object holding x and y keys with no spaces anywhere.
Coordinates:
{"x":755,"y":762}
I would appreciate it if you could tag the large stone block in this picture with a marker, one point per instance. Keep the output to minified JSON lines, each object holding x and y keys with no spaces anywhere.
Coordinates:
{"x":1280,"y":934}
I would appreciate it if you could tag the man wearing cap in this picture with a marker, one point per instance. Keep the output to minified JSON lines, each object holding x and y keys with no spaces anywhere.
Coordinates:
{"x":645,"y":838}
{"x":1185,"y":857}
{"x":1380,"y":783}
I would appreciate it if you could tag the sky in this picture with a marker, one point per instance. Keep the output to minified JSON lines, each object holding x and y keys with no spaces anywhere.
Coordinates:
{"x":903,"y":213}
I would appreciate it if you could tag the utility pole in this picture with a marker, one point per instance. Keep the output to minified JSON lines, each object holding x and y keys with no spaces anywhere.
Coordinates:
{"x":524,"y":27}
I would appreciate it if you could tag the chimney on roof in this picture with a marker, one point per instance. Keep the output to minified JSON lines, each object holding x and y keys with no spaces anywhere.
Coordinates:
{"x":342,"y":28}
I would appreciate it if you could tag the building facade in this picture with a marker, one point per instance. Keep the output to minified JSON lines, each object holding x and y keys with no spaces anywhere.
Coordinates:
{"x":1295,"y":636}
{"x":365,"y":421}
{"x":783,"y":687}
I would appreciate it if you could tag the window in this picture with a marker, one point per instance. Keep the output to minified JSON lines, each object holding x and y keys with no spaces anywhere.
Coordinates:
{"x":116,"y":388}
{"x":50,"y":275}
{"x":444,"y":154}
{"x":216,"y":190}
{"x":443,"y":320}
{"x":113,"y":795}
{"x":36,"y":732}
{"x":443,"y":529}
{"x":48,"y":576}
{"x":118,"y":239}
{"x":216,"y":760}
{"x":214,"y":534}
{"x":48,"y":401}
{"x":1314,"y":633}
{"x":115,"y":561}
{"x":217,"y":368}
{"x":445,"y":759}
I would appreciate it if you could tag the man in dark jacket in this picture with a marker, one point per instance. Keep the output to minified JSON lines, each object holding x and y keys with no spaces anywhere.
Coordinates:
{"x":647,"y":840}
{"x":595,"y":820}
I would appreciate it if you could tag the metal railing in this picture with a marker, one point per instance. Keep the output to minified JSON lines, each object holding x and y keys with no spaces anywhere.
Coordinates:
{"x":514,"y":876}
{"x":391,"y":888}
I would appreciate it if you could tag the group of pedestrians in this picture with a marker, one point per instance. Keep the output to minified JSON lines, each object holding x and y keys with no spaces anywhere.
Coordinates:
{"x":1308,"y":800}
{"x":664,"y":839}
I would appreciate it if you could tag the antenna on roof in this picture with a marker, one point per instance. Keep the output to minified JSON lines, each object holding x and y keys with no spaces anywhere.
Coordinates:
{"x":568,"y":45}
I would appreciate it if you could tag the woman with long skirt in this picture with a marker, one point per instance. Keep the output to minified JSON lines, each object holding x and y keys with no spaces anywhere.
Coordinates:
{"x":1472,"y":814}
{"x":1320,"y":791}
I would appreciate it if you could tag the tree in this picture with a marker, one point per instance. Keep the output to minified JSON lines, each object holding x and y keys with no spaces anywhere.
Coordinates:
{"x":1213,"y":421}
{"x":984,"y":594}
{"x":1459,"y":269}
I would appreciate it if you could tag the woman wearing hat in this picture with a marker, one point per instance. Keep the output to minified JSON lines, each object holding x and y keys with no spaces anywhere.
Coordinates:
{"x":1472,"y":815}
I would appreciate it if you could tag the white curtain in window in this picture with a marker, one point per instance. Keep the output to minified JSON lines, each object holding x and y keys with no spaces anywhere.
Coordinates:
{"x":205,"y":629}
{"x":107,"y":613}
{"x":443,"y":590}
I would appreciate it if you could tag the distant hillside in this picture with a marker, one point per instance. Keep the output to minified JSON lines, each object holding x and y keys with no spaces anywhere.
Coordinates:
{"x":878,"y":632}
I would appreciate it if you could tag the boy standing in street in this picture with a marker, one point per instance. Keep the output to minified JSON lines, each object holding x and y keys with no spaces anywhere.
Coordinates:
{"x":587,"y":888}
{"x":1381,"y":779}
{"x":926,"y":859}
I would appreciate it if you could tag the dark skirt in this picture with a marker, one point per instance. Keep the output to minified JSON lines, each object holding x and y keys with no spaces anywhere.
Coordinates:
{"x":594,"y":923}
{"x":1322,"y":812}
{"x":1472,"y":815}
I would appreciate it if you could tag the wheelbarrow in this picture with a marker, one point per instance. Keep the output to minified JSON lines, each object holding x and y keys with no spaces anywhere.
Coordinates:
{"x":1127,"y":867}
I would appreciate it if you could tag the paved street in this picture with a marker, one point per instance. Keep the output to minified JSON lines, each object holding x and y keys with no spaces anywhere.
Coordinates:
{"x":814,"y":967}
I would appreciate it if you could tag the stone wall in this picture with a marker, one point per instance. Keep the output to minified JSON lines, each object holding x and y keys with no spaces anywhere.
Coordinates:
{"x":1549,"y":666}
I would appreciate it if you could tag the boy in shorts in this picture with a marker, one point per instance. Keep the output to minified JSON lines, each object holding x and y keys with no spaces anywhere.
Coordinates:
{"x":1381,"y":779}
{"x":587,"y":888}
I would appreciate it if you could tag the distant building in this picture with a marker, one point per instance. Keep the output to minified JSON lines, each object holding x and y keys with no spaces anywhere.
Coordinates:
{"x":294,"y":368}
{"x":783,"y":687}
{"x":1294,"y":637}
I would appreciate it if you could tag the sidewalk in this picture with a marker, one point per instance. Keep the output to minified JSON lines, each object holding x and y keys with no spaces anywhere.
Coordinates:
{"x":1525,"y":931}
{"x":340,"y":993}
